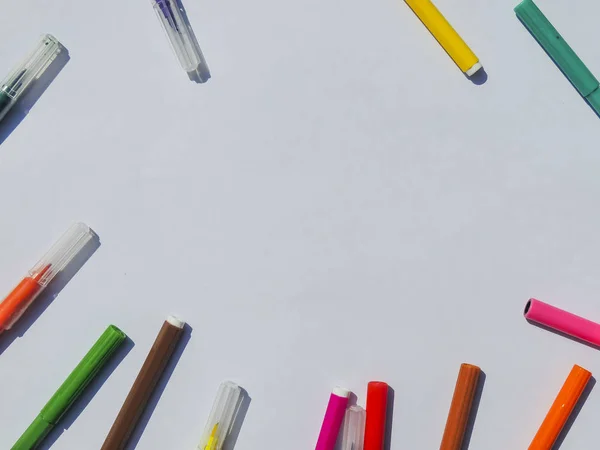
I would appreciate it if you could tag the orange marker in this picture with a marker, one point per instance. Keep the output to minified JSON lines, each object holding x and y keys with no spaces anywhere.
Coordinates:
{"x":561,"y":409}
{"x":36,"y":280}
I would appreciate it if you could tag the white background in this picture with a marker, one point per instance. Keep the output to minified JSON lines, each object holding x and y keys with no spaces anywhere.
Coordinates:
{"x":337,"y":204}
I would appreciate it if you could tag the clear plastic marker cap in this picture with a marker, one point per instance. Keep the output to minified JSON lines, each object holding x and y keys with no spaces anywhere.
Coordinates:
{"x":353,"y":431}
{"x":32,"y":68}
{"x":221,"y":417}
{"x":180,"y":35}
{"x":62,"y":253}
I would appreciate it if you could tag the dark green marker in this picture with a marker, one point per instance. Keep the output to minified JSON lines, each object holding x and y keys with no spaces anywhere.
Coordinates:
{"x":563,"y":55}
{"x":71,"y":389}
{"x":32,"y":68}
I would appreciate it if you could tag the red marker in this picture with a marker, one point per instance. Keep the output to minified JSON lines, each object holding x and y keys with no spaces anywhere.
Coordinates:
{"x":377,"y":395}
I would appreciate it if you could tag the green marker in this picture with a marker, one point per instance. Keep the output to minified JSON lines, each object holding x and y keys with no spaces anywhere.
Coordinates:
{"x":563,"y":55}
{"x":32,"y":69}
{"x":70,"y":390}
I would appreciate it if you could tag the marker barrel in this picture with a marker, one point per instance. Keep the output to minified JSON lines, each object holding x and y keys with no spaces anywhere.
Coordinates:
{"x":460,"y":408}
{"x":377,"y":397}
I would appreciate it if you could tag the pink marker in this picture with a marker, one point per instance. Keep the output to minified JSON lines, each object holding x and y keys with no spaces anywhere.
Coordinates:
{"x":333,"y":419}
{"x":563,"y":321}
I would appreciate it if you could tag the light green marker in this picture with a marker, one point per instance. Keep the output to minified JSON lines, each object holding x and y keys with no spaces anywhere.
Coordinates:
{"x":70,"y":390}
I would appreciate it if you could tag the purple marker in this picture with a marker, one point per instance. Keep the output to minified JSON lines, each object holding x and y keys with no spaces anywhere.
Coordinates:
{"x":180,"y":35}
{"x":333,"y":419}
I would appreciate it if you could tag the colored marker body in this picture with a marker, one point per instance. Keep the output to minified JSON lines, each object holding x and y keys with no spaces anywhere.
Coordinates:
{"x":332,"y":422}
{"x":144,"y":384}
{"x":377,"y":397}
{"x":71,"y":389}
{"x":563,"y":321}
{"x":561,"y":409}
{"x":460,"y":408}
{"x":561,"y":53}
{"x":447,"y":37}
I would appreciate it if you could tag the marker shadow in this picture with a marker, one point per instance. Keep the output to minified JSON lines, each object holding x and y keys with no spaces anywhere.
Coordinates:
{"x":160,"y":387}
{"x":474,"y":409}
{"x":20,"y":110}
{"x":560,"y":333}
{"x":49,"y":294}
{"x":240,"y":416}
{"x":479,"y":77}
{"x":202,"y":72}
{"x":88,"y":394}
{"x":389,"y":418}
{"x":586,"y":393}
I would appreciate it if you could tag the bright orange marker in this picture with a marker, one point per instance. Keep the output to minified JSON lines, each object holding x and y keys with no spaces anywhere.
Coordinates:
{"x":36,"y":280}
{"x":561,"y":409}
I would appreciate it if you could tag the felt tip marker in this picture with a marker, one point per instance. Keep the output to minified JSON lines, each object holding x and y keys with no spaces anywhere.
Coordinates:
{"x":562,"y":321}
{"x":561,"y":53}
{"x":447,"y":37}
{"x":19,"y":80}
{"x":560,"y":411}
{"x":222,"y":416}
{"x":377,"y":397}
{"x":461,"y":406}
{"x":38,"y":278}
{"x":353,"y":430}
{"x":180,"y":35}
{"x":332,"y":422}
{"x":68,"y":393}
{"x":144,"y":385}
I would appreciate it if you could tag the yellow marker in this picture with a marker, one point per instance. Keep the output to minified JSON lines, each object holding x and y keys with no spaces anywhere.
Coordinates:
{"x":222,"y":417}
{"x":448,"y":38}
{"x":212,"y":440}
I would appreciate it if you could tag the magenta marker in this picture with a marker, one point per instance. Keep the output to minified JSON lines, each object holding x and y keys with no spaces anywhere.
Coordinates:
{"x":333,"y":419}
{"x":563,"y":321}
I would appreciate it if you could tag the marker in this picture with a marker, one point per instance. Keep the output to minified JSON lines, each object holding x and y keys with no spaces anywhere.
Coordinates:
{"x":447,"y":37}
{"x":19,"y":80}
{"x":353,"y":430}
{"x":562,"y":321}
{"x":377,"y":397}
{"x":180,"y":35}
{"x":562,"y":54}
{"x":460,"y":408}
{"x":38,"y":278}
{"x":561,"y":409}
{"x":222,"y":416}
{"x":144,"y":385}
{"x":334,"y":415}
{"x":71,"y":389}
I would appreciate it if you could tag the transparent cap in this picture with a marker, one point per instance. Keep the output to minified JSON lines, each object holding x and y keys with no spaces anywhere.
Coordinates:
{"x":61,"y":253}
{"x":32,"y":68}
{"x":221,"y":417}
{"x":353,"y":431}
{"x":180,"y":35}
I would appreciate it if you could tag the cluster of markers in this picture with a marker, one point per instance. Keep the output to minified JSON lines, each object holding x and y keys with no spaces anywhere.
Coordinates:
{"x":187,"y":50}
{"x":229,"y":397}
{"x":361,"y":429}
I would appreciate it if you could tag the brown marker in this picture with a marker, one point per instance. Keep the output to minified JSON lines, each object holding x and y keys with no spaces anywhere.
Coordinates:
{"x":144,"y":384}
{"x":460,"y":409}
